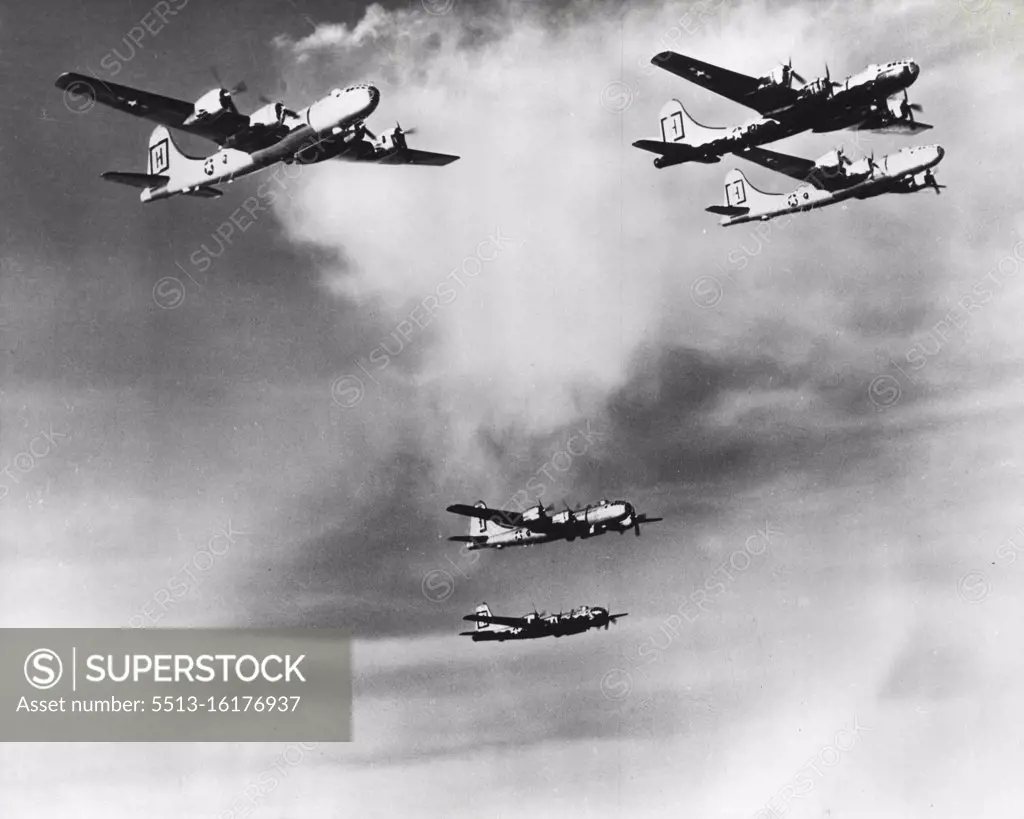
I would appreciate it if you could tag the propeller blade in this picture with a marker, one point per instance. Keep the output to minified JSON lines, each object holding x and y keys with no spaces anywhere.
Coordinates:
{"x":369,"y":133}
{"x":636,"y":527}
{"x":238,"y":88}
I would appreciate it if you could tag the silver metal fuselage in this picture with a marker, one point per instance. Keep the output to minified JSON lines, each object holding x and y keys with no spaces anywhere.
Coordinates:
{"x":552,"y":625}
{"x":893,"y":173}
{"x":325,"y":119}
{"x":583,"y":523}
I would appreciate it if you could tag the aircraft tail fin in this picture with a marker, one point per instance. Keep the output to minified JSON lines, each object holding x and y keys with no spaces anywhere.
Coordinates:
{"x":165,"y":157}
{"x":739,"y":193}
{"x":485,"y":611}
{"x":480,"y":528}
{"x":678,"y":126}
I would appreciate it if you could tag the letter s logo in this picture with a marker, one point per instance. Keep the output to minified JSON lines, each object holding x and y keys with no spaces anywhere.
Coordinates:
{"x":43,"y":668}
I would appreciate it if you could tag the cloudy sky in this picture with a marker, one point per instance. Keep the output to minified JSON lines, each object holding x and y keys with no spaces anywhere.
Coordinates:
{"x":826,"y":410}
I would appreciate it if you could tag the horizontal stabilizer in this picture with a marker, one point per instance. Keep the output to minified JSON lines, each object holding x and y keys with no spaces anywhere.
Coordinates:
{"x":468,"y":539}
{"x":721,"y":210}
{"x":136,"y":180}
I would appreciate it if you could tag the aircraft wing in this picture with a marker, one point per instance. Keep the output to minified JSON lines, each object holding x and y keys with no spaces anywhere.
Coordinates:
{"x":499,"y":516}
{"x":410,"y":156}
{"x":369,"y":152}
{"x":795,"y":166}
{"x":748,"y":91}
{"x":166,"y":111}
{"x":514,"y":622}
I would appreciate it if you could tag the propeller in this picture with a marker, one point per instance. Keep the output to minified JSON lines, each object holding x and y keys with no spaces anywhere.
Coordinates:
{"x":638,"y":519}
{"x":399,"y":129}
{"x":929,"y":179}
{"x":612,"y":618}
{"x":910,"y":107}
{"x":793,"y":73}
{"x":238,"y":88}
{"x":788,"y":74}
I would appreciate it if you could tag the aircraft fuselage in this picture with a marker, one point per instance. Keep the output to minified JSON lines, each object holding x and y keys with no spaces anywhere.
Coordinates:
{"x":552,"y":625}
{"x":592,"y":520}
{"x":893,"y":173}
{"x":316,"y":133}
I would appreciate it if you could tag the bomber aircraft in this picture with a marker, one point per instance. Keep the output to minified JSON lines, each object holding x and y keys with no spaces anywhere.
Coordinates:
{"x":537,"y":624}
{"x":787,"y":105}
{"x":498,"y":528}
{"x":331,"y":128}
{"x":830,"y":179}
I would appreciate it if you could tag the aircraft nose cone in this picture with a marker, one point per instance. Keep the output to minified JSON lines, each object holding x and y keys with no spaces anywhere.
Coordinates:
{"x":373,"y":96}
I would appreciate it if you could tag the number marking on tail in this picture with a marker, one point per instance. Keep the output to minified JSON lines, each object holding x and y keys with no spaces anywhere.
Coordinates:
{"x":735,"y":193}
{"x":672,"y":127}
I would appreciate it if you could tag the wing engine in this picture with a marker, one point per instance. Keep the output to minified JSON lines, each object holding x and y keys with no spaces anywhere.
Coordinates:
{"x":269,"y":116}
{"x":211,"y":105}
{"x":781,"y":76}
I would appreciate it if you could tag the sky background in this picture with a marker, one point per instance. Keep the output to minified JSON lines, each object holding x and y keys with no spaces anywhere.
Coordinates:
{"x":829,"y":388}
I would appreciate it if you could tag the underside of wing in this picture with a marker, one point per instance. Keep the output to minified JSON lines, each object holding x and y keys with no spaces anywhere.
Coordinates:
{"x":740,"y":88}
{"x":368,"y":152}
{"x":410,"y":156}
{"x":81,"y":91}
{"x":514,"y":622}
{"x":794,"y":166}
{"x":900,"y":127}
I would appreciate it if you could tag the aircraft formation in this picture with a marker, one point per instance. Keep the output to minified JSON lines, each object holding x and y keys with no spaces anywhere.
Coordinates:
{"x":874,"y":99}
{"x":334,"y":127}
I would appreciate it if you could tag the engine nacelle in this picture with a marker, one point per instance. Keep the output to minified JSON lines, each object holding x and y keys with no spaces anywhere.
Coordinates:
{"x":896,"y":107}
{"x":269,"y":116}
{"x":535,"y":513}
{"x":393,"y":140}
{"x":780,"y":75}
{"x":211,"y":104}
{"x":830,"y":161}
{"x":820,"y":88}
